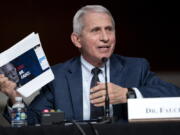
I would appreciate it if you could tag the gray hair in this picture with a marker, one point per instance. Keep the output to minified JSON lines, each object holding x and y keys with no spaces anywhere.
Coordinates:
{"x":77,"y":20}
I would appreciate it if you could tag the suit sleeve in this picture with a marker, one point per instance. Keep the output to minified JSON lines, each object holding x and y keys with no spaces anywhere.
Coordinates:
{"x":152,"y":86}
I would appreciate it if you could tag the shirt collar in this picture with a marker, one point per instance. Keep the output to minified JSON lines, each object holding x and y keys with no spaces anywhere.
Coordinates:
{"x":86,"y":65}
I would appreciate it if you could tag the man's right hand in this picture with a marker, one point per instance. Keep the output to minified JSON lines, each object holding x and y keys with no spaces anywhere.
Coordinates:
{"x":8,"y":87}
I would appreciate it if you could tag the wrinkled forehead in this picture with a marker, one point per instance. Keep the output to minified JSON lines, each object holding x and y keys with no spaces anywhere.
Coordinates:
{"x":8,"y":67}
{"x":95,"y":18}
{"x":90,"y":14}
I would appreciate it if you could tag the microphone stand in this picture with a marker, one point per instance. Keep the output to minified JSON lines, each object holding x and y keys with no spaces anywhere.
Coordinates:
{"x":106,"y":118}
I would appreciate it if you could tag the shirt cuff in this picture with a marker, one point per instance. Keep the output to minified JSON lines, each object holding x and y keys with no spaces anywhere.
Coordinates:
{"x":138,"y":93}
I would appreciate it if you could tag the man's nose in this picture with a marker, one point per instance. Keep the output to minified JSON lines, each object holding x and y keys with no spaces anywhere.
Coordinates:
{"x":104,"y":36}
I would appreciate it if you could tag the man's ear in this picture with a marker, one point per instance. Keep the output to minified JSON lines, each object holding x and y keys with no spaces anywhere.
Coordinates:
{"x":76,"y":40}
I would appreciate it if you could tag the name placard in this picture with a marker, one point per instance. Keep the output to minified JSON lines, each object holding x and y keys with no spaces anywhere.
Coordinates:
{"x":154,"y":109}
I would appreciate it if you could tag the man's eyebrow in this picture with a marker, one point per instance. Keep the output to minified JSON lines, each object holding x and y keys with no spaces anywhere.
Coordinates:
{"x":109,"y":27}
{"x":95,"y":28}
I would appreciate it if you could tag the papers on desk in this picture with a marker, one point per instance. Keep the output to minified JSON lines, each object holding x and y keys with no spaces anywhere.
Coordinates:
{"x":154,"y":109}
{"x":25,"y":63}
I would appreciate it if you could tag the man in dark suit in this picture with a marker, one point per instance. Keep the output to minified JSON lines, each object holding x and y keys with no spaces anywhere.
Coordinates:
{"x":71,"y":91}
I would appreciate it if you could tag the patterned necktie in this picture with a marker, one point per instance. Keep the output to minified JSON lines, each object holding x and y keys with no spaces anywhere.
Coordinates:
{"x":95,"y":111}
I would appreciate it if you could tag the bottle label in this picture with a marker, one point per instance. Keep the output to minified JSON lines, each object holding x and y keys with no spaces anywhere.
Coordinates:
{"x":18,"y":114}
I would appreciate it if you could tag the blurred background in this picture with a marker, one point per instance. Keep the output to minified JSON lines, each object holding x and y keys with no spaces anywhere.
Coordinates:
{"x":144,"y":28}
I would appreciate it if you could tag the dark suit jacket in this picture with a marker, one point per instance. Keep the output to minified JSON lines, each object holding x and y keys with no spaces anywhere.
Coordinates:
{"x":65,"y":92}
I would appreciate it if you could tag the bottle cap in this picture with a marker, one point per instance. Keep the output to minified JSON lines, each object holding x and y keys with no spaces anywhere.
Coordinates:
{"x":52,"y":110}
{"x":18,"y":99}
{"x":58,"y":110}
{"x":45,"y":110}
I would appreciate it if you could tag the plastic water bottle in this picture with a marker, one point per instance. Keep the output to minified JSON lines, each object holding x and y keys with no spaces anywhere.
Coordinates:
{"x":18,"y":113}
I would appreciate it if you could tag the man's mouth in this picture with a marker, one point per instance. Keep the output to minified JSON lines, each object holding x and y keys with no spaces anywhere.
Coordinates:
{"x":104,"y":47}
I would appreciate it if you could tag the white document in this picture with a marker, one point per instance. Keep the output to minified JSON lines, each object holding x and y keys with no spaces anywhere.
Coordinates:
{"x":25,"y":63}
{"x":154,"y":109}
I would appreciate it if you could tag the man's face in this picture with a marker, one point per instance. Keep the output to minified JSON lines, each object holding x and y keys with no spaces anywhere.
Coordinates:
{"x":97,"y":38}
{"x":10,"y":72}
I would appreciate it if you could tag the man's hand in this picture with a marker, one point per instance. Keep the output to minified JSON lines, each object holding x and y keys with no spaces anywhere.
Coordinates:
{"x":117,"y":94}
{"x":8,"y":87}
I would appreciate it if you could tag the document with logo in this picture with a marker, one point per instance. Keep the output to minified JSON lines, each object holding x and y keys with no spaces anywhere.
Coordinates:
{"x":26,"y":64}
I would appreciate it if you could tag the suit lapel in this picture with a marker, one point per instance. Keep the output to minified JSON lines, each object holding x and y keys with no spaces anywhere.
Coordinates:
{"x":74,"y":77}
{"x":116,"y":68}
{"x":116,"y":77}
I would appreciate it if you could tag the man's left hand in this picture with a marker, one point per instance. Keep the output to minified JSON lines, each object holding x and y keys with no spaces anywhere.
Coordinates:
{"x":117,"y":94}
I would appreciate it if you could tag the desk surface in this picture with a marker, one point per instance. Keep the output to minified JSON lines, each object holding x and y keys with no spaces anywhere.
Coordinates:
{"x":167,"y":128}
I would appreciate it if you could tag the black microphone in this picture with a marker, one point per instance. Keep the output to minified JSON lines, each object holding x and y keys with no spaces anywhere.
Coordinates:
{"x":106,"y":109}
